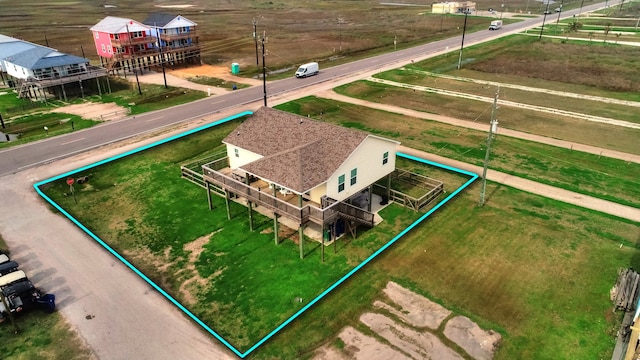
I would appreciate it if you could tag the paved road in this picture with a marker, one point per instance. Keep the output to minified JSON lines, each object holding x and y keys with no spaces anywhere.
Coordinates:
{"x":45,"y":151}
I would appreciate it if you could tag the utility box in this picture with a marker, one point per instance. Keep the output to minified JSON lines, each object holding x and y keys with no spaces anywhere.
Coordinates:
{"x":235,"y":68}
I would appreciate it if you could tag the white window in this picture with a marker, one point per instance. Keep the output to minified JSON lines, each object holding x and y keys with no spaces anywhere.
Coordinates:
{"x":341,"y":183}
{"x":237,"y":152}
{"x":104,"y":48}
{"x":97,"y":35}
{"x":354,"y":176}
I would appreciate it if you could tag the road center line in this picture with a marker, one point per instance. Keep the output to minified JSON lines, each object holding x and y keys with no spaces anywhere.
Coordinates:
{"x":155,"y":118}
{"x":72,"y":141}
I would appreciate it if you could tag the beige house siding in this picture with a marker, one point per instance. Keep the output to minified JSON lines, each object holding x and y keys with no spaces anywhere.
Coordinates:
{"x":367,"y":159}
{"x":244,"y":156}
{"x":316,"y":193}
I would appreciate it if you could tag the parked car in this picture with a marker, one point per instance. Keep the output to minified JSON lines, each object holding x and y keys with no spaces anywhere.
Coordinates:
{"x":8,"y":267}
{"x":3,"y":258}
{"x":12,"y":278}
{"x":20,"y":296}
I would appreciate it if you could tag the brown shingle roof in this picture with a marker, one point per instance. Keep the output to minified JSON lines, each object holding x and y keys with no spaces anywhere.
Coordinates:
{"x":299,"y":153}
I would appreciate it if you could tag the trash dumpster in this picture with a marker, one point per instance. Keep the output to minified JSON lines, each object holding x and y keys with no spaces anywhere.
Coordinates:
{"x":235,"y":68}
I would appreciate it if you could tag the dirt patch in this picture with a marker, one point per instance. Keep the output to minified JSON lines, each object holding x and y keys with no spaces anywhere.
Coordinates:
{"x":480,"y":344}
{"x":191,"y":285}
{"x":419,"y":345}
{"x":360,"y":347}
{"x":95,"y":111}
{"x":395,"y":340}
{"x":415,"y":309}
{"x":219,"y":72}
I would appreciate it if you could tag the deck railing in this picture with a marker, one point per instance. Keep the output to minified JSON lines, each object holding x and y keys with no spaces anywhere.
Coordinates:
{"x":302,"y":214}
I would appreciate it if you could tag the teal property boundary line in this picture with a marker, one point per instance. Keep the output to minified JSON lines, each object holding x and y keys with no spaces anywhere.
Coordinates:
{"x":186,"y":311}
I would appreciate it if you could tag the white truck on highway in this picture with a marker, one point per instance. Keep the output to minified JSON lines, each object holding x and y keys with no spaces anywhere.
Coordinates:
{"x":307,"y":70}
{"x":495,"y":25}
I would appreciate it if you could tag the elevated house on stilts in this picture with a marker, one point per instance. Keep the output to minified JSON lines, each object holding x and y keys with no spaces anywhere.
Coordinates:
{"x":310,"y":172}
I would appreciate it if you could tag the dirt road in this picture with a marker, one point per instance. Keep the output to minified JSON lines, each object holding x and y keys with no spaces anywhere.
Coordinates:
{"x":330,"y":94}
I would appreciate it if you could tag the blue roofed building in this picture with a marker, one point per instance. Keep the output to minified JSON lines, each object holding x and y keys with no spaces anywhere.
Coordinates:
{"x":35,"y":70}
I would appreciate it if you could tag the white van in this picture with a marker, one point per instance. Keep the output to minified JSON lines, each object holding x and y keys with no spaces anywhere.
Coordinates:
{"x":3,"y":258}
{"x":309,"y":69}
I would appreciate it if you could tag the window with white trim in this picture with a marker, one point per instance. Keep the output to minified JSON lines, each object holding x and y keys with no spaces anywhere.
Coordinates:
{"x":104,"y":48}
{"x":354,"y":176}
{"x":385,"y":158}
{"x":341,"y":183}
{"x":237,"y":152}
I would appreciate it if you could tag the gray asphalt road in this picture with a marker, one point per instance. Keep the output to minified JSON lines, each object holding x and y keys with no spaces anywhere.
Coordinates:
{"x":29,"y":155}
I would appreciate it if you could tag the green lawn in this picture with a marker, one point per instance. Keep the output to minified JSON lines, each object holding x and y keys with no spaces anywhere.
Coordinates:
{"x":605,"y":178}
{"x":239,"y":282}
{"x":536,"y":270}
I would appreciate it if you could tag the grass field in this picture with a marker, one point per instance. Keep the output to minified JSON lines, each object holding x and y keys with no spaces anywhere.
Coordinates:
{"x":238,"y":281}
{"x":521,"y":265}
{"x":297,"y":32}
{"x":535,"y":270}
{"x":601,"y":177}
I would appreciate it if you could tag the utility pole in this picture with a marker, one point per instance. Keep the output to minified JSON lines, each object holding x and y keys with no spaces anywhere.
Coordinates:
{"x":492,"y":129}
{"x":580,"y":11}
{"x":340,"y":20}
{"x":255,"y":40}
{"x":543,"y":20}
{"x":2,"y":121}
{"x":559,"y":12}
{"x":464,"y":30}
{"x":133,"y":60}
{"x":159,"y":43}
{"x":395,"y":41}
{"x":264,"y":69}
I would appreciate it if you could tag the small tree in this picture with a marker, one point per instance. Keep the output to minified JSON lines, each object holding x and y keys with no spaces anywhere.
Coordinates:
{"x":574,"y":26}
{"x":607,"y":28}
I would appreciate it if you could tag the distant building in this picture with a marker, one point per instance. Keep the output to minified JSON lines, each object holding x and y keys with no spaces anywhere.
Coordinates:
{"x":34,"y":70}
{"x":177,"y":38}
{"x":459,"y":7}
{"x":122,"y":42}
{"x":162,"y":39}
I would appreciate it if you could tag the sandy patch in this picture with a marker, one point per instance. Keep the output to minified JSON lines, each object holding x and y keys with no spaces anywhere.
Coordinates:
{"x":358,"y":346}
{"x":394,"y":340}
{"x":193,"y":284}
{"x":480,"y":344}
{"x":419,"y":345}
{"x":95,"y":111}
{"x":415,"y":309}
{"x":214,"y":71}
